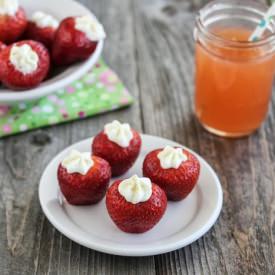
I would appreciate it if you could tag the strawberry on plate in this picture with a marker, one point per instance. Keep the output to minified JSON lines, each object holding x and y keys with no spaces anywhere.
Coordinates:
{"x":24,"y":65}
{"x":136,"y":204}
{"x":76,"y":39}
{"x":42,"y":28}
{"x":119,"y":145}
{"x":175,"y":170}
{"x":13,"y":21}
{"x":83,"y":178}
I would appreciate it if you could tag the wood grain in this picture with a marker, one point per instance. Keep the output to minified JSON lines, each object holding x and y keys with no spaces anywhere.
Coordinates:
{"x":150,"y":45}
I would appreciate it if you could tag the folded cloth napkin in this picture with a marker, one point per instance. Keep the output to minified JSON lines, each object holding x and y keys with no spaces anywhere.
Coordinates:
{"x":98,"y":91}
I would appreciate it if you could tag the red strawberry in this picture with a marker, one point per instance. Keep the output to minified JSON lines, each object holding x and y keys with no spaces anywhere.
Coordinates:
{"x":79,"y":189}
{"x":42,"y":29}
{"x":139,"y":217}
{"x":2,"y":46}
{"x":16,"y":71}
{"x":120,"y":158}
{"x":42,"y":35}
{"x":12,"y":26}
{"x":71,"y":44}
{"x":177,"y":183}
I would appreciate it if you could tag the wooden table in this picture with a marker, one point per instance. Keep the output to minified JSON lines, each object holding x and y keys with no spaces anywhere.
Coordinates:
{"x":150,"y":45}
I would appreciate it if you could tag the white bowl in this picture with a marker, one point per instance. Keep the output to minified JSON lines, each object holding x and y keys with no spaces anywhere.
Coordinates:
{"x":60,"y":9}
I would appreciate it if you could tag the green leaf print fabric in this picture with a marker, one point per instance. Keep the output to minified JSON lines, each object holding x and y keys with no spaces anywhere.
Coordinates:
{"x":98,"y":91}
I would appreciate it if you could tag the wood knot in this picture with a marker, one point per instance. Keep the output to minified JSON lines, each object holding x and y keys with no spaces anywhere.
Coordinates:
{"x":41,"y":139}
{"x":169,"y":10}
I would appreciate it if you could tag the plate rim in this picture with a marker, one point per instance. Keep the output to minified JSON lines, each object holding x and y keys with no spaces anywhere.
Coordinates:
{"x":138,"y":252}
{"x":12,"y":97}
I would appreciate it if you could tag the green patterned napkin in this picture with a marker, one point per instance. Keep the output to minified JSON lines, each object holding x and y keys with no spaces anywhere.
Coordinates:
{"x":98,"y":91}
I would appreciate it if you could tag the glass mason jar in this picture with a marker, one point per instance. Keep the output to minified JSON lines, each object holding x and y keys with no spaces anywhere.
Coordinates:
{"x":233,"y":76}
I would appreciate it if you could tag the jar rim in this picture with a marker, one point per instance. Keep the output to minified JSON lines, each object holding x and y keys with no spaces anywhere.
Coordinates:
{"x":231,"y":43}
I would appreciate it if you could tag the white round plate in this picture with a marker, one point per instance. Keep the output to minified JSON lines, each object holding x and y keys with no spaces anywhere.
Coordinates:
{"x":183,"y":223}
{"x":60,"y":9}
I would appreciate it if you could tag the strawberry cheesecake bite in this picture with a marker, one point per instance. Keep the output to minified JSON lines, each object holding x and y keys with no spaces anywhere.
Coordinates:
{"x":24,"y":65}
{"x":175,"y":170}
{"x":76,"y":39}
{"x":119,"y":145}
{"x":136,"y":204}
{"x":83,"y":178}
{"x":42,"y":28}
{"x":13,"y":21}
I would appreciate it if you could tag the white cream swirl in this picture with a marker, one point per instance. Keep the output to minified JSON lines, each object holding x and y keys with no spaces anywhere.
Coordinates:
{"x":171,"y":157}
{"x":136,"y":189}
{"x":119,"y":133}
{"x":77,"y":162}
{"x":24,"y":58}
{"x":44,"y":20}
{"x":9,"y":7}
{"x":91,"y":27}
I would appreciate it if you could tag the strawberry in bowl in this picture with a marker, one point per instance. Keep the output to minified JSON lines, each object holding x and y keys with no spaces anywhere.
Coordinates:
{"x":76,"y":39}
{"x":13,"y":21}
{"x":83,"y":178}
{"x":175,"y":170}
{"x":42,"y":28}
{"x":24,"y":65}
{"x":119,"y":144}
{"x":136,"y":204}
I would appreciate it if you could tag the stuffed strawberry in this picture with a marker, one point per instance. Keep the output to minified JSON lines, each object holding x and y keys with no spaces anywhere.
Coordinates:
{"x":42,"y":28}
{"x":175,"y":170}
{"x":119,"y":145}
{"x":136,"y":204}
{"x":76,"y":39}
{"x":13,"y":21}
{"x":83,"y":178}
{"x":24,"y":65}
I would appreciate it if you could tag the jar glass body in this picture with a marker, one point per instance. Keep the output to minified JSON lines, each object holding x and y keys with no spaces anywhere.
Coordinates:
{"x":233,"y":76}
